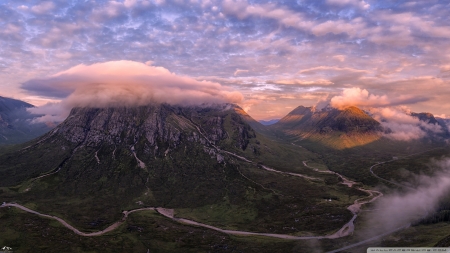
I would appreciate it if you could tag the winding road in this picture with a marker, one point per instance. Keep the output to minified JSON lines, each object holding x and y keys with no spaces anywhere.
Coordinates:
{"x":169,"y":213}
{"x":346,"y":230}
{"x":391,"y":182}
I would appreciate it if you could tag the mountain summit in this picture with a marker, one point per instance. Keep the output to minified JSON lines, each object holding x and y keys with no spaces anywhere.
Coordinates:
{"x":339,"y":128}
{"x":159,"y":155}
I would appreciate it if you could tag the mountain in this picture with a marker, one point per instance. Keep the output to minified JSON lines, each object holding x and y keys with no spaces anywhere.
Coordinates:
{"x":122,"y":133}
{"x":209,"y":164}
{"x":16,"y":124}
{"x":443,"y":121}
{"x":109,"y":159}
{"x":269,"y":122}
{"x":425,"y":117}
{"x":333,"y":127}
{"x":205,"y":162}
{"x":435,"y":127}
{"x":257,"y":126}
{"x":160,"y":155}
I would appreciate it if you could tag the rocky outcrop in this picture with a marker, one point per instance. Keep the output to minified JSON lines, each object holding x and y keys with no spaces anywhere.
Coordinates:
{"x":156,"y":129}
{"x":93,"y":126}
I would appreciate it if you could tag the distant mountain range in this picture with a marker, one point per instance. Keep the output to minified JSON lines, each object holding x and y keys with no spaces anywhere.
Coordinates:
{"x":343,"y":128}
{"x":16,"y":124}
{"x":269,"y":122}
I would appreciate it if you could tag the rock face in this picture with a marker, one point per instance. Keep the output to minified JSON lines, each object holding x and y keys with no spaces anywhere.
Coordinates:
{"x":155,"y":155}
{"x":154,"y":126}
{"x":16,"y":123}
{"x":160,"y":149}
{"x":124,"y":126}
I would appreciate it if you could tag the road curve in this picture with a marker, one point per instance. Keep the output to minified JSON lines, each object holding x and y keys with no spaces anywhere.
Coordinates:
{"x":169,"y":213}
{"x":370,"y":239}
{"x":67,"y":225}
{"x":396,"y":159}
{"x":344,"y":231}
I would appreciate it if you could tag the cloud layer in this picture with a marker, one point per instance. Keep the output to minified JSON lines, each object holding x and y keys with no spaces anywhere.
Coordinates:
{"x":278,"y":54}
{"x":125,"y":83}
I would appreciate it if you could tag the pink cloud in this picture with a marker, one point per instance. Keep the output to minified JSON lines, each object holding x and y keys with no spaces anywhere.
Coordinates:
{"x":242,"y":9}
{"x":43,"y":7}
{"x":358,"y":3}
{"x":390,"y":112}
{"x":128,"y":83}
{"x":301,"y":82}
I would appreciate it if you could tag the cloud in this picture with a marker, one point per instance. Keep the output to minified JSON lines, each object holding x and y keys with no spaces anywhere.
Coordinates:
{"x":400,"y":125}
{"x":410,"y":21}
{"x":301,"y":82}
{"x":238,"y":71}
{"x":339,"y":57}
{"x":392,"y":113}
{"x":354,"y":28}
{"x":358,"y":97}
{"x":314,"y":70}
{"x":50,"y":112}
{"x":43,"y":7}
{"x":126,"y":83}
{"x":130,"y":3}
{"x":242,"y":9}
{"x":358,"y":3}
{"x":382,"y":48}
{"x":361,"y":98}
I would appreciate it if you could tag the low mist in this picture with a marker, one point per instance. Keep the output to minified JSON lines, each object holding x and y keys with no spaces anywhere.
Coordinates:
{"x":398,"y":209}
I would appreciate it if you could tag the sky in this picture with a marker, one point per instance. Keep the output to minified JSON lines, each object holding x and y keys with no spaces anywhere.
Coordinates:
{"x":267,"y":56}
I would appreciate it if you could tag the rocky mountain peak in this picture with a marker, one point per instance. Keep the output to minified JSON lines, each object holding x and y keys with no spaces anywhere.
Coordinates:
{"x":425,"y":117}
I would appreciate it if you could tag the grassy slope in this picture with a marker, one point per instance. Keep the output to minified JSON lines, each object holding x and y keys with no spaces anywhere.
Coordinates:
{"x":187,"y":179}
{"x":141,"y":232}
{"x":355,"y":162}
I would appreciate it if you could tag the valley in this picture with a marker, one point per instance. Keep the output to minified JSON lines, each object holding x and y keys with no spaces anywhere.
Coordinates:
{"x":202,"y":169}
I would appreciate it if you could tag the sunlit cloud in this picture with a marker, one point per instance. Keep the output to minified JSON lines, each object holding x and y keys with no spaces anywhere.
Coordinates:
{"x":301,"y":82}
{"x":126,"y":83}
{"x":395,"y":117}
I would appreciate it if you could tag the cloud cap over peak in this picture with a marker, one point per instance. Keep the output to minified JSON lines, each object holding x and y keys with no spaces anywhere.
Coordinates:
{"x":127,"y":83}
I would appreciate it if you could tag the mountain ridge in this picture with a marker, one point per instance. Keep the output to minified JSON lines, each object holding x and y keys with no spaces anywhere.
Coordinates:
{"x":16,"y":123}
{"x":330,"y":126}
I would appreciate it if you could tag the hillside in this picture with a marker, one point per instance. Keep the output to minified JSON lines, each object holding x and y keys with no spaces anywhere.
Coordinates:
{"x":331,"y":127}
{"x":16,"y":122}
{"x":100,"y":161}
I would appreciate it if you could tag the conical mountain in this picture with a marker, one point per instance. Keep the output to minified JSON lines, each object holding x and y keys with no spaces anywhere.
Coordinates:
{"x":160,"y":155}
{"x":337,"y":128}
{"x":296,"y":118}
